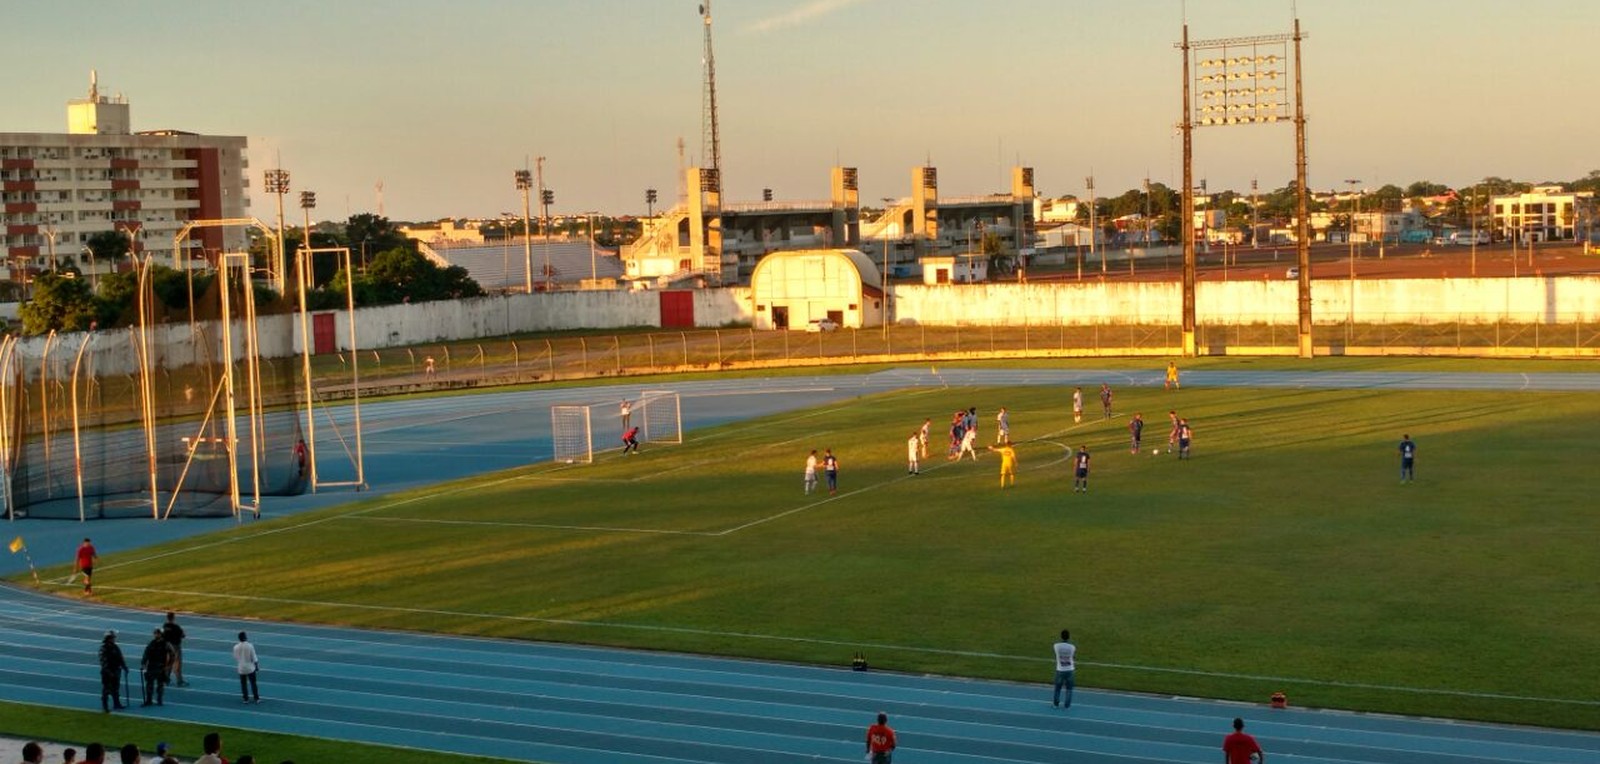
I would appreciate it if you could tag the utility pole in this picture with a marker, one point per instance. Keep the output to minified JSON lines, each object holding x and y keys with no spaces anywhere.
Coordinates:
{"x":1094,"y":230}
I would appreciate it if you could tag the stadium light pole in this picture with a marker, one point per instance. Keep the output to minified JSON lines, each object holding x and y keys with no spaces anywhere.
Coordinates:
{"x":1350,"y":237}
{"x":276,"y":182}
{"x":1094,"y":233}
{"x":308,"y":202}
{"x":525,"y":185}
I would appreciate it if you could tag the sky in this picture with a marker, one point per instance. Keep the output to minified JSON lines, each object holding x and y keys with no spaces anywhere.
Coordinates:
{"x":441,"y":101}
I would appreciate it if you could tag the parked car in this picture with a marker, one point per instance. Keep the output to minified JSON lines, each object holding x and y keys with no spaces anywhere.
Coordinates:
{"x":1292,"y":273}
{"x":822,"y":325}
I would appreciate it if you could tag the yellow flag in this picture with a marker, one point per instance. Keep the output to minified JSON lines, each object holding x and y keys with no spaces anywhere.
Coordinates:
{"x":16,"y":545}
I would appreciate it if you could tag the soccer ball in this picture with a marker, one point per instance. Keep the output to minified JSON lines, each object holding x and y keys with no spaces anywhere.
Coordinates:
{"x":569,"y":461}
{"x":1155,"y":452}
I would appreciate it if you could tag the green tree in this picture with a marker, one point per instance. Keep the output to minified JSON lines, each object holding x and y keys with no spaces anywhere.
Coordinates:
{"x":108,"y":247}
{"x":62,"y":301}
{"x":404,"y":275}
{"x":1423,"y":188}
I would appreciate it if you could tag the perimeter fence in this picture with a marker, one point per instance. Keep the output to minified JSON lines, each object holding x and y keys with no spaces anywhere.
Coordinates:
{"x":485,"y":362}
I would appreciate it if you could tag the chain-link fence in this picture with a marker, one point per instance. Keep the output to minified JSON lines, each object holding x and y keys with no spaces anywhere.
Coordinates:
{"x":567,"y":357}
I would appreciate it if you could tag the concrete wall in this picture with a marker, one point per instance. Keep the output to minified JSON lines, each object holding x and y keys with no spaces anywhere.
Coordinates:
{"x":1424,"y":301}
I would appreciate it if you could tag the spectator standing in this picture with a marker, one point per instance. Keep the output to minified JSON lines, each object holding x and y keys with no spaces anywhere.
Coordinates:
{"x":175,"y":636}
{"x":626,"y":412}
{"x":244,"y":656}
{"x":1238,"y":746}
{"x":154,"y":668}
{"x":881,"y":741}
{"x":85,"y":562}
{"x":112,"y":666}
{"x":1066,"y":669}
{"x":130,"y":753}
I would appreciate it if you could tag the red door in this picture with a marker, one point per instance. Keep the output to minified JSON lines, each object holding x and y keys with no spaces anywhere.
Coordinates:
{"x":322,"y":333}
{"x":677,"y":308}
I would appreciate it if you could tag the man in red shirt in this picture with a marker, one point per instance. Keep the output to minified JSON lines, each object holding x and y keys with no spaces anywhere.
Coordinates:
{"x":86,"y":558}
{"x":1238,"y":747}
{"x":880,"y":741}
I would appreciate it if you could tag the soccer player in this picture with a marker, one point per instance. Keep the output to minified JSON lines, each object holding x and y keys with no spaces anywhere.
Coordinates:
{"x":1077,"y":405}
{"x":1408,"y":455}
{"x":1080,"y":473}
{"x":830,"y":467}
{"x":1002,"y":422}
{"x":1172,"y":376}
{"x":1172,"y":435}
{"x":969,"y":439}
{"x":956,"y":433}
{"x":1105,"y":400}
{"x":1008,"y":462}
{"x":913,"y":447}
{"x":1238,"y":747}
{"x":630,"y":441}
{"x":811,"y":472}
{"x":1184,"y":434}
{"x":1136,"y":431}
{"x":922,"y":435}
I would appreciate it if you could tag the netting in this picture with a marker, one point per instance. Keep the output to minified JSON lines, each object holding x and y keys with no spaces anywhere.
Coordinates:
{"x":661,"y":417}
{"x":135,"y":421}
{"x":571,"y":434}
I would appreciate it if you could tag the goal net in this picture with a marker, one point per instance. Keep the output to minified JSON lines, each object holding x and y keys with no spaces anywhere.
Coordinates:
{"x":661,"y":417}
{"x":571,"y":433}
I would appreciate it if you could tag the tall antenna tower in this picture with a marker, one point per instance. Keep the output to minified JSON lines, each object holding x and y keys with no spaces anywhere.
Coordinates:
{"x":683,"y":182}
{"x":378,"y":188}
{"x":712,"y":150}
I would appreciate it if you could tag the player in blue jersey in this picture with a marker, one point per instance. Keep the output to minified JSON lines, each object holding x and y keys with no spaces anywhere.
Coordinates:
{"x":1184,"y":435}
{"x":1135,"y":431}
{"x":1408,"y":456}
{"x":1080,"y":470}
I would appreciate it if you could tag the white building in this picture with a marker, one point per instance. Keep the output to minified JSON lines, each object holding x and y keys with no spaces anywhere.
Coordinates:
{"x":1545,"y":213}
{"x":59,"y":189}
{"x":791,"y":288}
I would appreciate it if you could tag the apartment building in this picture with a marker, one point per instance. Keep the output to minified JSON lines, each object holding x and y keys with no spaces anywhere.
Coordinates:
{"x":59,"y":189}
{"x":1545,"y":213}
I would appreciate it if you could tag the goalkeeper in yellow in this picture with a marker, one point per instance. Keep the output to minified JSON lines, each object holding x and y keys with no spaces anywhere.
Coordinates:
{"x":1008,"y":462}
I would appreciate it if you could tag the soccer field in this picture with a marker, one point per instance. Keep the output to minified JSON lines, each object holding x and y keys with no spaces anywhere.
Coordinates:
{"x":1285,"y":555}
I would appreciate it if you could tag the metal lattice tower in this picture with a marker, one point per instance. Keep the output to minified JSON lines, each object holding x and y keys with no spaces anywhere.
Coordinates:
{"x":712,"y":148}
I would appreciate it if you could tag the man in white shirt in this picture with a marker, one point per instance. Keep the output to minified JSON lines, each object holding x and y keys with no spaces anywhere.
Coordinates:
{"x":968,"y":440}
{"x":1066,"y":665}
{"x":1003,"y":422}
{"x":811,"y":472}
{"x":913,"y":447}
{"x":244,"y":657}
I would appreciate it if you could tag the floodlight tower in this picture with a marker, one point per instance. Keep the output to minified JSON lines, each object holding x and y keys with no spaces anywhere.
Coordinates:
{"x":525,"y":185}
{"x":710,"y":135}
{"x":276,"y":182}
{"x":1241,"y":83}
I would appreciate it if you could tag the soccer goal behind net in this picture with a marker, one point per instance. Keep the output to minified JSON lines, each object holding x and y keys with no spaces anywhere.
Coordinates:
{"x":571,"y":435}
{"x":661,"y":417}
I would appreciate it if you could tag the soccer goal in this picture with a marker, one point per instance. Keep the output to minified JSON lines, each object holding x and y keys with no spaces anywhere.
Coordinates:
{"x":661,"y":417}
{"x":571,"y":433}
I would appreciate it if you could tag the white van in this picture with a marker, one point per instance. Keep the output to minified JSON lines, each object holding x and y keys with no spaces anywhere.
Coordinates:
{"x":1468,"y":238}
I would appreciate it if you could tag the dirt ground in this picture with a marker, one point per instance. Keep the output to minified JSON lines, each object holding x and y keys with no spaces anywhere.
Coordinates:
{"x":1332,"y":261}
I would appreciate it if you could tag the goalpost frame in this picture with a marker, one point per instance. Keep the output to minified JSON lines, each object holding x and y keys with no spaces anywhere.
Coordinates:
{"x":303,"y":276}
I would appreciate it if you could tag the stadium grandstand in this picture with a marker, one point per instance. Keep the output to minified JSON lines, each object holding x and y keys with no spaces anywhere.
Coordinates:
{"x":501,"y":267}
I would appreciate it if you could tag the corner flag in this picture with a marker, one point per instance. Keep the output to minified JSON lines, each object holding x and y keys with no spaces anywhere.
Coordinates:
{"x":17,"y":545}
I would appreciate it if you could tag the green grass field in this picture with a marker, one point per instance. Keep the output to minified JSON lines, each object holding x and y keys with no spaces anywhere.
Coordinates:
{"x":1285,"y":556}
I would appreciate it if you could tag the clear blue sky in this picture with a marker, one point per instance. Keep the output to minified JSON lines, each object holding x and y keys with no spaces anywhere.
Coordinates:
{"x":441,"y":101}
